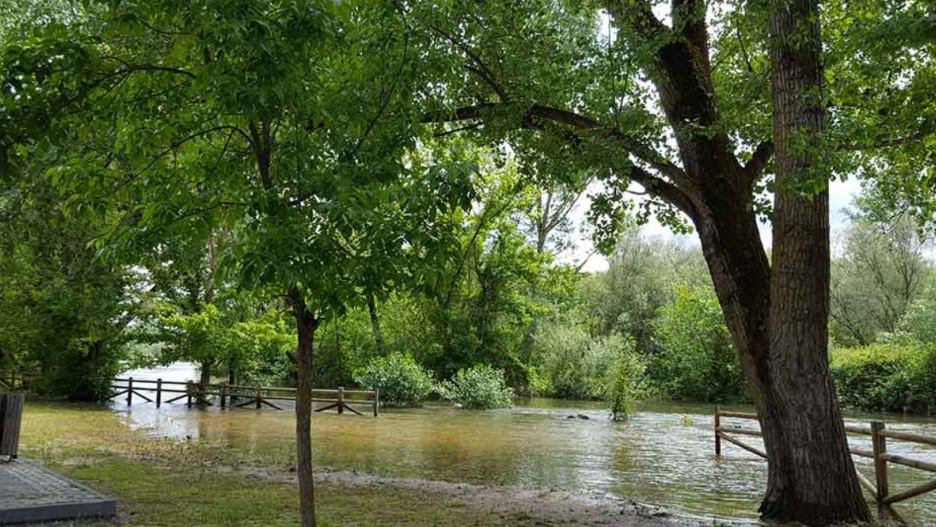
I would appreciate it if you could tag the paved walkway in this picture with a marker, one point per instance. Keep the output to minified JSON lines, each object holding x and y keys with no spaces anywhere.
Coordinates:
{"x":31,"y":493}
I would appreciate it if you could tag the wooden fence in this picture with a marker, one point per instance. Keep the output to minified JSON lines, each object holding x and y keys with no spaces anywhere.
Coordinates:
{"x":238,"y":396}
{"x":881,"y":457}
{"x":15,"y":380}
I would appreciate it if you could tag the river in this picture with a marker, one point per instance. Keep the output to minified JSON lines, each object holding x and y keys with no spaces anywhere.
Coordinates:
{"x":663,"y":455}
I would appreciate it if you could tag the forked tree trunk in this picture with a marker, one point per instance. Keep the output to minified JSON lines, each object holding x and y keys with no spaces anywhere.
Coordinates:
{"x":306,"y":323}
{"x":811,"y":474}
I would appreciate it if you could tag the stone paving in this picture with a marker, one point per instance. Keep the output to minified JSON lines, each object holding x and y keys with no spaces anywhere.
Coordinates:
{"x":31,"y":493}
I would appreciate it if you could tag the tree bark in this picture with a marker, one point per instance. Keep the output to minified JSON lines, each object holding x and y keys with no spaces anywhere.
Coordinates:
{"x":205,"y":378}
{"x":306,"y":324}
{"x":811,"y":475}
{"x":375,"y":323}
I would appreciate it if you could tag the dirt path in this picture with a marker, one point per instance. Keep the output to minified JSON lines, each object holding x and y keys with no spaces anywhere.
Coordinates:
{"x":516,"y":506}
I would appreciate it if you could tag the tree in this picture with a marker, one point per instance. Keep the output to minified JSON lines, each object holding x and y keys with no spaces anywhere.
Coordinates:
{"x":882,"y":270}
{"x":283,"y":120}
{"x":538,"y":74}
{"x":61,"y":309}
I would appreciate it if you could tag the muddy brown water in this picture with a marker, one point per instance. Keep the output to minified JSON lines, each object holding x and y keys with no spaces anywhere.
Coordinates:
{"x":662,"y":456}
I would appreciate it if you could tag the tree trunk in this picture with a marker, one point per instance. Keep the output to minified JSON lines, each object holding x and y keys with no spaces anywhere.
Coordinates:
{"x":205,"y":378}
{"x":811,"y":476}
{"x":306,"y":323}
{"x":375,"y":323}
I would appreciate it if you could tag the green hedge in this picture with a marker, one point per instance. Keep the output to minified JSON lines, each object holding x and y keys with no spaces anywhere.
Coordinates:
{"x":890,"y":377}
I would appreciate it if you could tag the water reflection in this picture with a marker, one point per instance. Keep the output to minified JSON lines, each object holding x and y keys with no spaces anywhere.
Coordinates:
{"x":658,"y":457}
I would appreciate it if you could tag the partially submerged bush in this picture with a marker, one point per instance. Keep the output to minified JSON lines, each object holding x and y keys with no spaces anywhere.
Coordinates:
{"x":400,"y":379}
{"x":898,"y":377}
{"x":627,"y":379}
{"x":479,"y":387}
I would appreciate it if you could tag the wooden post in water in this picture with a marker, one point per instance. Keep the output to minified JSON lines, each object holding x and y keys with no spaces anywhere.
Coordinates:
{"x":879,"y":444}
{"x":223,"y":394}
{"x":158,"y":392}
{"x":129,"y":391}
{"x":259,"y":399}
{"x":717,"y":426}
{"x":189,"y":388}
{"x":341,"y":399}
{"x":376,"y":401}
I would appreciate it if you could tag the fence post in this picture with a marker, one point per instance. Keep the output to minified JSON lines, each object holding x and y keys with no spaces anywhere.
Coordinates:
{"x":259,"y":399}
{"x":189,"y":388}
{"x":223,"y":394}
{"x":376,"y":401}
{"x":129,"y":391}
{"x":879,"y":445}
{"x":341,"y":399}
{"x":717,"y":426}
{"x":158,"y":393}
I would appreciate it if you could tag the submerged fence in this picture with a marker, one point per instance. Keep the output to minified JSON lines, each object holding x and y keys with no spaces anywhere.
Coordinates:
{"x":878,"y":454}
{"x":159,"y":392}
{"x":240,"y":396}
{"x":15,"y":380}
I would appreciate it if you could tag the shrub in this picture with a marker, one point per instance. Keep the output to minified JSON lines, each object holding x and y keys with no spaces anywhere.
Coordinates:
{"x":400,"y":379}
{"x":570,"y":364}
{"x":480,"y":387}
{"x":891,"y":377}
{"x":627,"y":377}
{"x":697,"y":361}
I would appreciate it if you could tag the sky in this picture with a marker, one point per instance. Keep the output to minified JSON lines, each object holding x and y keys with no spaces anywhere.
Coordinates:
{"x":841,"y":195}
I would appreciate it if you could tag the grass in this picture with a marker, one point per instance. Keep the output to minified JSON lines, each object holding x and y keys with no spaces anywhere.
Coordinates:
{"x":164,"y":482}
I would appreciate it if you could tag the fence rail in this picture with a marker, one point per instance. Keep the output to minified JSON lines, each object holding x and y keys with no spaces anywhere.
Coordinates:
{"x":240,"y":396}
{"x":224,"y":394}
{"x":879,"y":434}
{"x":13,"y":380}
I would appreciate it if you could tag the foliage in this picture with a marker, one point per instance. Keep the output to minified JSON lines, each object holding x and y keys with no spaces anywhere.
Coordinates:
{"x":627,"y":371}
{"x":696,"y":361}
{"x":62,"y":310}
{"x":480,"y":387}
{"x":881,"y":272}
{"x":570,"y":364}
{"x":919,"y":322}
{"x":400,"y":379}
{"x":898,"y":377}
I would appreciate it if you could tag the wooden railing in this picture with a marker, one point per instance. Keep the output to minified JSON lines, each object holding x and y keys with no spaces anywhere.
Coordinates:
{"x":14,"y":380}
{"x":240,"y":396}
{"x":878,"y":454}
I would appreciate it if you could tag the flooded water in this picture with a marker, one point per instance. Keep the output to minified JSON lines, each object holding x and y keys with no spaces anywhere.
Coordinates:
{"x":664,"y":455}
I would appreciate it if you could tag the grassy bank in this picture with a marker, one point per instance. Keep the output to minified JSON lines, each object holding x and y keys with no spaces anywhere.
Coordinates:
{"x":175,"y":483}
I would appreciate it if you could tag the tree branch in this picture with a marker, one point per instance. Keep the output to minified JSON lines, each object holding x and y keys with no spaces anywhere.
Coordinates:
{"x":759,"y":159}
{"x":889,"y":143}
{"x":574,"y":120}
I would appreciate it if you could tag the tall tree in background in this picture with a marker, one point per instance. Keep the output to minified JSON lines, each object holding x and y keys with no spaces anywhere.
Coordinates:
{"x":881,"y":271}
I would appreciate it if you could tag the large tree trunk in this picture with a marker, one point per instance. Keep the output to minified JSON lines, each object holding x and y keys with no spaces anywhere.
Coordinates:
{"x":811,"y":474}
{"x":205,"y":378}
{"x":306,"y":323}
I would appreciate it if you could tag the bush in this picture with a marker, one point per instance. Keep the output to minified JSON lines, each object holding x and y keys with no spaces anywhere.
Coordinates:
{"x":890,"y":377}
{"x":570,"y":364}
{"x":479,"y":387}
{"x":400,"y":379}
{"x":697,"y":361}
{"x":627,"y":378}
